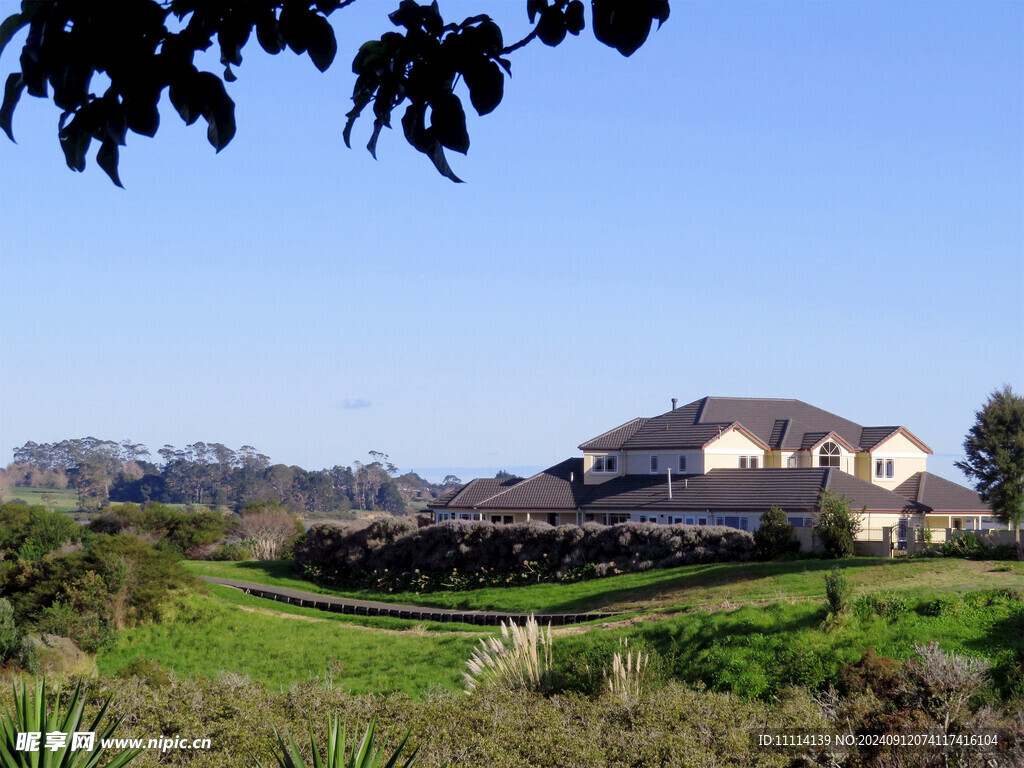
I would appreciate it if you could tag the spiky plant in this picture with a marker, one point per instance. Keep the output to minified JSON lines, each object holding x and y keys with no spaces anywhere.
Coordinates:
{"x":520,"y":659}
{"x":626,"y":676}
{"x":364,"y":752}
{"x":33,"y":713}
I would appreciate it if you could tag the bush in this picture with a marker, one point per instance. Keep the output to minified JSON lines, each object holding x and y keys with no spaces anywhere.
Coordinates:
{"x":395,"y":554}
{"x":837,"y":591}
{"x":231,"y":552}
{"x":30,"y":532}
{"x":774,"y":537}
{"x":889,"y":605}
{"x":836,"y":526}
{"x":10,"y":636}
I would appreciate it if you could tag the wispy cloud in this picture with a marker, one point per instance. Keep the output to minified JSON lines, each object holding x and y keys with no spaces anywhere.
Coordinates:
{"x":355,"y":404}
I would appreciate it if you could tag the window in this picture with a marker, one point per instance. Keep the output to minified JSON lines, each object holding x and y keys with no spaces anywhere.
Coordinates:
{"x":732,"y":522}
{"x":654,"y":464}
{"x":828,"y":456}
{"x":748,"y":462}
{"x":682,"y":463}
{"x":800,"y":522}
{"x":676,"y":520}
{"x":791,"y":462}
{"x":689,"y":521}
{"x":885,"y":469}
{"x":606,"y":464}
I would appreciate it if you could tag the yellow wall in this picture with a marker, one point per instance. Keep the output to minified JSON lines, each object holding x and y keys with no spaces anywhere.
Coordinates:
{"x":590,"y":477}
{"x":908,"y":456}
{"x":724,"y":452}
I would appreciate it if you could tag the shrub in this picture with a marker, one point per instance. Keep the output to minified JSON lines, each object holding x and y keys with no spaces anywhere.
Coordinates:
{"x":364,"y":752}
{"x":30,"y":532}
{"x":837,"y":591}
{"x":149,"y":671}
{"x":231,"y":552}
{"x":181,"y":531}
{"x":519,"y":660}
{"x":836,"y":525}
{"x":397,"y":555}
{"x":10,"y":636}
{"x":889,"y":605}
{"x":774,"y":537}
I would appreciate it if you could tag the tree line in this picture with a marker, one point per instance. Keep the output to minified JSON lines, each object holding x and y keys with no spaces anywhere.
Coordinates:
{"x":214,"y":475}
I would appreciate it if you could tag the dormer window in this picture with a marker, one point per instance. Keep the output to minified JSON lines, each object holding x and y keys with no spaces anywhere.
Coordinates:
{"x":682,"y":464}
{"x":748,"y":462}
{"x":885,"y":469}
{"x":828,"y":456}
{"x":606,"y":464}
{"x":654,"y":464}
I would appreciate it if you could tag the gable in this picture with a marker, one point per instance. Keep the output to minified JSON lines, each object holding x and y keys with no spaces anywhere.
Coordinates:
{"x":900,"y":442}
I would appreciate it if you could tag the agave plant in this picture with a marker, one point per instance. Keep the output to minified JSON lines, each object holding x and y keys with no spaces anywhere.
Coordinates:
{"x":32,"y":714}
{"x":520,"y":659}
{"x":364,"y":753}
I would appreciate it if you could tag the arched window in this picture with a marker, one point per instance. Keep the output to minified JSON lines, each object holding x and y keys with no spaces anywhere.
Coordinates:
{"x":828,"y":456}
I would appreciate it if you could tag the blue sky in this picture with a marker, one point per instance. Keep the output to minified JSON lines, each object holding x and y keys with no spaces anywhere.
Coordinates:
{"x":813,"y":200}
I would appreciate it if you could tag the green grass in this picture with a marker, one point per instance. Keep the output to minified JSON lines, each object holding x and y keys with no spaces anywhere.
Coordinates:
{"x":212,"y":634}
{"x":59,"y":501}
{"x":670,"y":589}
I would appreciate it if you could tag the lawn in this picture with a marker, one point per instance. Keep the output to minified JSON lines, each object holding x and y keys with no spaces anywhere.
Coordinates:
{"x":672,"y":589}
{"x":59,"y":501}
{"x":208,"y":635}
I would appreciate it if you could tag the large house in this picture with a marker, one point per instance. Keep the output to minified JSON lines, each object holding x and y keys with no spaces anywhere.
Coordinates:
{"x":724,"y":461}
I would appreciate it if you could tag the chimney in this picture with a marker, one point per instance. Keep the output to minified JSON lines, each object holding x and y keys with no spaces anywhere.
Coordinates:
{"x":674,"y":401}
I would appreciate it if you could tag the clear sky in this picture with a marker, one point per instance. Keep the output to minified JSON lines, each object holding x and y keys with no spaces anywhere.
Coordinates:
{"x":814,"y":200}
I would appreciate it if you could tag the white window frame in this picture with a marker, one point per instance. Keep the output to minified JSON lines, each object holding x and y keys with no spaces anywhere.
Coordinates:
{"x":888,"y":467}
{"x":838,"y":455}
{"x":602,"y":463}
{"x":791,"y":462}
{"x":654,"y":465}
{"x":682,"y":463}
{"x":749,"y":462}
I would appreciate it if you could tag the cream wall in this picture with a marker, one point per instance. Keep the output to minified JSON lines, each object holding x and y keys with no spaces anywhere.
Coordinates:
{"x":590,"y":477}
{"x":908,"y":458}
{"x":724,"y":452}
{"x":639,"y":462}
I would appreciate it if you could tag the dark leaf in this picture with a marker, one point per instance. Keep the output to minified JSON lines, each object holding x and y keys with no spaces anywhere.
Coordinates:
{"x":74,"y":140}
{"x":448,"y":120}
{"x":218,"y":109}
{"x":660,"y":11}
{"x":441,"y":163}
{"x":486,"y":85}
{"x":622,"y":24}
{"x":10,"y":27}
{"x":352,"y":114}
{"x":181,"y":94}
{"x":107,"y":159}
{"x":574,"y":20}
{"x":551,"y":28}
{"x":12,"y":92}
{"x":414,"y":127}
{"x":269,"y":34}
{"x":506,"y":65}
{"x":408,"y":15}
{"x":490,"y":34}
{"x":142,"y":115}
{"x":533,"y":7}
{"x":31,"y":69}
{"x":372,"y":143}
{"x":229,"y":76}
{"x":321,"y":41}
{"x":294,"y":26}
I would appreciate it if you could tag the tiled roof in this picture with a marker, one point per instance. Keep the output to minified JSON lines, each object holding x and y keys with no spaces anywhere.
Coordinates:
{"x":613,"y":439}
{"x":936,"y":494}
{"x":781,"y":424}
{"x":558,"y":487}
{"x":472,"y":493}
{"x":561,"y":487}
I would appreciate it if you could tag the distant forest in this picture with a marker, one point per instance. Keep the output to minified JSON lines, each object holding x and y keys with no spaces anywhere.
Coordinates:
{"x":213,"y":475}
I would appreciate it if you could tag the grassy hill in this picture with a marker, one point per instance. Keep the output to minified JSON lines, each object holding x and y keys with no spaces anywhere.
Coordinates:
{"x":748,"y":628}
{"x":59,"y":501}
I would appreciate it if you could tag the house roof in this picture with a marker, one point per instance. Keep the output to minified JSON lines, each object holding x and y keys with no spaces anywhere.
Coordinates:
{"x":937,"y":494}
{"x":472,"y":492}
{"x":781,"y":424}
{"x":561,"y":487}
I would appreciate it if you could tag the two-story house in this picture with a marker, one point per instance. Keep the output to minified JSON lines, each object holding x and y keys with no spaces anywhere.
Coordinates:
{"x":724,"y":461}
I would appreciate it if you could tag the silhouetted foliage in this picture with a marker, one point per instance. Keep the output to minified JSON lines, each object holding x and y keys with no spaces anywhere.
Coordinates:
{"x":146,"y":47}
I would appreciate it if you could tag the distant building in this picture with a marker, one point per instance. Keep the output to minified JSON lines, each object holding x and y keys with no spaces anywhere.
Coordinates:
{"x":724,"y":461}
